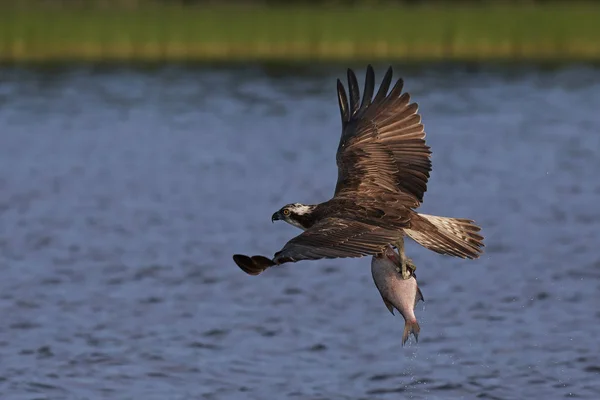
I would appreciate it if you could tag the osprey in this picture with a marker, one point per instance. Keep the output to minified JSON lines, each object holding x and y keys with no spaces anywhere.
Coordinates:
{"x":383,"y":169}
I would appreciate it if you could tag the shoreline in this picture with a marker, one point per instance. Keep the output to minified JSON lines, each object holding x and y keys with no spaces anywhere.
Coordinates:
{"x":553,"y":32}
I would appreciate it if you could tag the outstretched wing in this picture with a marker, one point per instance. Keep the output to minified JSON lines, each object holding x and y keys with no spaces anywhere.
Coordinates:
{"x":330,"y":238}
{"x":336,"y":238}
{"x":382,"y":146}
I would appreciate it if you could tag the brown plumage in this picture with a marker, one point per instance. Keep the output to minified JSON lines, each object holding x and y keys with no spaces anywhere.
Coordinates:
{"x":383,"y":169}
{"x":383,"y":142}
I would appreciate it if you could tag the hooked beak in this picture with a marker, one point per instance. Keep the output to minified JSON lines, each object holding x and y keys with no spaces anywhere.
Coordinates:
{"x":276,"y":217}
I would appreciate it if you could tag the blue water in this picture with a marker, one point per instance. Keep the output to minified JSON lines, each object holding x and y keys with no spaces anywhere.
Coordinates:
{"x":125,"y":191}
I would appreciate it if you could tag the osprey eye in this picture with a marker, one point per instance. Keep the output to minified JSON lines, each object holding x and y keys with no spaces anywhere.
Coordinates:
{"x":286,"y":212}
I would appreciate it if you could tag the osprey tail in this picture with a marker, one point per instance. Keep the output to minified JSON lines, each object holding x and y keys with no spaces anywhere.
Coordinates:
{"x":451,"y":236}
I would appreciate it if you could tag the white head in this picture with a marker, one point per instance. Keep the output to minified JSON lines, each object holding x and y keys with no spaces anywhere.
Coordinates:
{"x":296,"y":214}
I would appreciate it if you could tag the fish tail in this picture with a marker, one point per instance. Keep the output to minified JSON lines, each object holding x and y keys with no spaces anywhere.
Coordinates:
{"x":452,"y":236}
{"x":411,"y":327}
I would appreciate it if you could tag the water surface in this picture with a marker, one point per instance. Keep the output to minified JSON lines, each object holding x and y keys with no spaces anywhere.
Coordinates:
{"x":124,"y":192}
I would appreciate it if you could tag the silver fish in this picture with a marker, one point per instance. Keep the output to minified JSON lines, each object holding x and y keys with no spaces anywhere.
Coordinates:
{"x":398,"y":293}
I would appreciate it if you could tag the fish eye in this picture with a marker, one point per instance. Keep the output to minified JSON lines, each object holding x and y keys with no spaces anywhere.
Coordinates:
{"x":286,"y":212}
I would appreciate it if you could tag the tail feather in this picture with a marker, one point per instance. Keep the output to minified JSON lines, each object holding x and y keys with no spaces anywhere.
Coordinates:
{"x":411,"y":327}
{"x":451,"y":236}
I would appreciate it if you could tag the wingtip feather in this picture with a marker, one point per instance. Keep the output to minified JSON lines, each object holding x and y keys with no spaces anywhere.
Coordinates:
{"x":343,"y":102}
{"x":252,"y":265}
{"x":369,"y":89}
{"x":354,"y":91}
{"x":384,"y":86}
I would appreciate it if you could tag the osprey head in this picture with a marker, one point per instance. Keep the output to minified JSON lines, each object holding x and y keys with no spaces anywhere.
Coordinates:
{"x":295,"y":214}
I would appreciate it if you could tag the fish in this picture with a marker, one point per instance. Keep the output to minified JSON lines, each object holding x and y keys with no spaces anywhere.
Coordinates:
{"x":396,"y":292}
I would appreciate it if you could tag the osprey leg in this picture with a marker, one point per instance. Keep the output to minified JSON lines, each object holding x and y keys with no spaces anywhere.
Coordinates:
{"x":407,"y":268}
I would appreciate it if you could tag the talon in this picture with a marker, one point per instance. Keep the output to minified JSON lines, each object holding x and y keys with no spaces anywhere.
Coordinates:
{"x":408,"y":268}
{"x":406,"y":274}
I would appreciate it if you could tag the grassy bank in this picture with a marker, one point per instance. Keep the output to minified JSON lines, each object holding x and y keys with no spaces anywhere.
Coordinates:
{"x":506,"y":32}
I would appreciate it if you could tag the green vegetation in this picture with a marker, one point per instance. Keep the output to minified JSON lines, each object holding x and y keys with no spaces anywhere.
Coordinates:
{"x":569,"y":31}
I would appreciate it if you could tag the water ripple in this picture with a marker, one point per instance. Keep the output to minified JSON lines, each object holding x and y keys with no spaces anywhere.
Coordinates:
{"x":124,"y":192}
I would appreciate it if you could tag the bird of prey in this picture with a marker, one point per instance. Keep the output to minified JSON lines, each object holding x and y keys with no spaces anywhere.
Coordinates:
{"x":383,"y":169}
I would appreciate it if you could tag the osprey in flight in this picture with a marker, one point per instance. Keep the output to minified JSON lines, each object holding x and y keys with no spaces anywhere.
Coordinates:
{"x":383,"y":169}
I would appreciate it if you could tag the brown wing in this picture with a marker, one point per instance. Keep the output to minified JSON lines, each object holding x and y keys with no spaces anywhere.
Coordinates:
{"x":383,"y":142}
{"x":336,"y":238}
{"x":330,"y":238}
